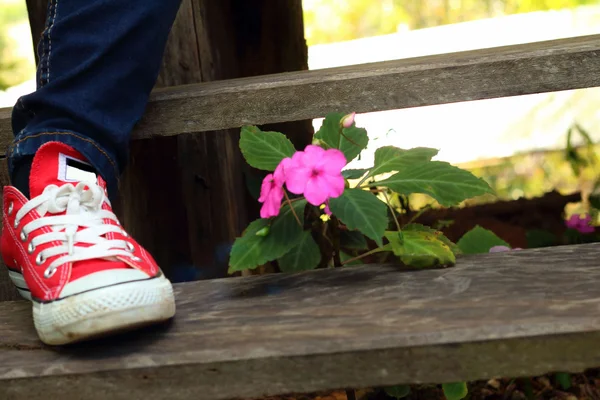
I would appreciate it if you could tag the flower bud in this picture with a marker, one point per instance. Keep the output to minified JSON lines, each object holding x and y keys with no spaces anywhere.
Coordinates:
{"x":264,"y":231}
{"x":348,"y":120}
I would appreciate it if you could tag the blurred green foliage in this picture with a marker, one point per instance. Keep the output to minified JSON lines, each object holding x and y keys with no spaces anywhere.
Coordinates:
{"x":330,"y":21}
{"x":13,"y":69}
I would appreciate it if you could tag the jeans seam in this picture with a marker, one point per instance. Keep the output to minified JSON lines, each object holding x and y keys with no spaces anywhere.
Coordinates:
{"x":50,"y":39}
{"x":44,"y":64}
{"x":14,"y":146}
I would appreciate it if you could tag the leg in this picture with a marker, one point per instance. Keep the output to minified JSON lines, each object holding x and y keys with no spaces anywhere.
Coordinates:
{"x":98,"y":62}
{"x":64,"y":247}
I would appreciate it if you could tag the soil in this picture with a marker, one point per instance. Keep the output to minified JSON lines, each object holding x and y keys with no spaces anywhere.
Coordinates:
{"x":584,"y":386}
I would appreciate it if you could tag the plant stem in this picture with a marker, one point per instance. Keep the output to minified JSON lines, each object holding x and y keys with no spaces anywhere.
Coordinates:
{"x":367,"y":176}
{"x":335,"y":233}
{"x":387,"y":201}
{"x":350,"y":394}
{"x":292,"y":209}
{"x":418,"y":214}
{"x":368,"y":253}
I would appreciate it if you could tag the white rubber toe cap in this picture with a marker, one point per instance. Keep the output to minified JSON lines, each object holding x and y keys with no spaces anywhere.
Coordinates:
{"x":102,"y":279}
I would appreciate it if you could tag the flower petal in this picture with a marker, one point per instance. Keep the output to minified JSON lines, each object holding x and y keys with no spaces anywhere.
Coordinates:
{"x":315,"y":192}
{"x":499,"y":249}
{"x":265,"y":188}
{"x":573,"y":222}
{"x":296,"y":178}
{"x":327,"y":209}
{"x":313,"y":155}
{"x":279,"y":174}
{"x":586,"y":229}
{"x":348,"y":120}
{"x":272,"y":204}
{"x":333,"y":161}
{"x":335,"y":184}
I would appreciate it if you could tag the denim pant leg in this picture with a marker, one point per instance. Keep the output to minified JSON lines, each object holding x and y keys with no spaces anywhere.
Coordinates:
{"x":99,"y":60}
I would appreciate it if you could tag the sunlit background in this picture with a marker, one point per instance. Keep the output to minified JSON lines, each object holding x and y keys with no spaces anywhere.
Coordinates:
{"x":518,"y":144}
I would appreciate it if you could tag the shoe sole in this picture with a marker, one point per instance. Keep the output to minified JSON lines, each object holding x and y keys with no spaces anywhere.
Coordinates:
{"x":103,"y":311}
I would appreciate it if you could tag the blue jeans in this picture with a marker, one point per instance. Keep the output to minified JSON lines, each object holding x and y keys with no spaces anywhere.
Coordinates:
{"x":98,"y":62}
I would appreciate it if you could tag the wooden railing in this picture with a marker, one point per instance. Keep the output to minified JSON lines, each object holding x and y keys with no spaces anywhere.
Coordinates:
{"x":446,"y":78}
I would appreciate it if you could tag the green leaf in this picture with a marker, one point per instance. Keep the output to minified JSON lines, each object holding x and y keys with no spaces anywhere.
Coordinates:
{"x":354,"y":173}
{"x":351,"y":141}
{"x":594,"y":200}
{"x":540,"y":238}
{"x":440,"y":236}
{"x":479,"y":240}
{"x":420,"y":248}
{"x":564,"y":380}
{"x":447,"y":184}
{"x":264,"y":150}
{"x":253,"y":182}
{"x":528,"y":388}
{"x":245,"y":253}
{"x":455,"y":391}
{"x":304,"y":257}
{"x":285,"y":231}
{"x":390,"y":158}
{"x":345,"y":257}
{"x":361,"y":210}
{"x":398,"y":391}
{"x":252,"y":250}
{"x":353,"y":240}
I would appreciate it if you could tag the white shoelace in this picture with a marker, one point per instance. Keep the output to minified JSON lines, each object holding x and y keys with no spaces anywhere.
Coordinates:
{"x":83,"y":206}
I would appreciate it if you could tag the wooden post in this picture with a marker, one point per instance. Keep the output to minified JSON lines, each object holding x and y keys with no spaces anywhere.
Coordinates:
{"x":184,"y":197}
{"x":36,"y":9}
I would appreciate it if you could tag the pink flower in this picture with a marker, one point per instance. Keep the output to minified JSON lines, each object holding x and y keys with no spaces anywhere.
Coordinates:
{"x":500,"y":249}
{"x":580,"y":223}
{"x":348,"y":120}
{"x":279,"y":174}
{"x":327,"y":209}
{"x":271,"y":194}
{"x":316,"y":173}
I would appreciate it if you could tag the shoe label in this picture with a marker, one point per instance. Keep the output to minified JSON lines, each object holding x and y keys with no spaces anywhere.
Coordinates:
{"x":73,"y":170}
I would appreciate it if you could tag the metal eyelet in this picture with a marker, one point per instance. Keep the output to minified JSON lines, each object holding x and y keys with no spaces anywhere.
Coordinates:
{"x":130,"y":247}
{"x":11,"y":206}
{"x":30,"y":248}
{"x":49,"y":272}
{"x":16,"y":224}
{"x":23,"y":236}
{"x":39,"y":260}
{"x":136,"y":259}
{"x":125,"y":234}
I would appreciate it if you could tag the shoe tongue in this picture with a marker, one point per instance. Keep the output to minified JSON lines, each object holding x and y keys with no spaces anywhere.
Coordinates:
{"x":56,"y":163}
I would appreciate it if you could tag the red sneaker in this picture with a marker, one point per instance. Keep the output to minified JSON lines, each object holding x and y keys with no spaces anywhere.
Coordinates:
{"x":67,"y":252}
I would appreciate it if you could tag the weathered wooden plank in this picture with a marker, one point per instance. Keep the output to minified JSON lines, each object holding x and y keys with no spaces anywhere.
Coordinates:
{"x":509,"y":314}
{"x":6,"y":134}
{"x":473,"y":75}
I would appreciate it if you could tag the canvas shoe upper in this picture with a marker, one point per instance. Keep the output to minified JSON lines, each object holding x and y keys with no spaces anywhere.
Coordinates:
{"x":66,"y":243}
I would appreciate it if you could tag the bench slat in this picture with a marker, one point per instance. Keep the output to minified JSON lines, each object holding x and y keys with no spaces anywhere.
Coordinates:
{"x":473,"y":75}
{"x":513,"y":314}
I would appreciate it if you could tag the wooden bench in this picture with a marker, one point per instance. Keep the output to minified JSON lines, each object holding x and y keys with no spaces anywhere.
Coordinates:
{"x":510,"y":314}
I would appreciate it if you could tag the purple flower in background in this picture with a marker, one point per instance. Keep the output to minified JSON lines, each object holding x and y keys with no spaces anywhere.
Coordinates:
{"x":580,"y":223}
